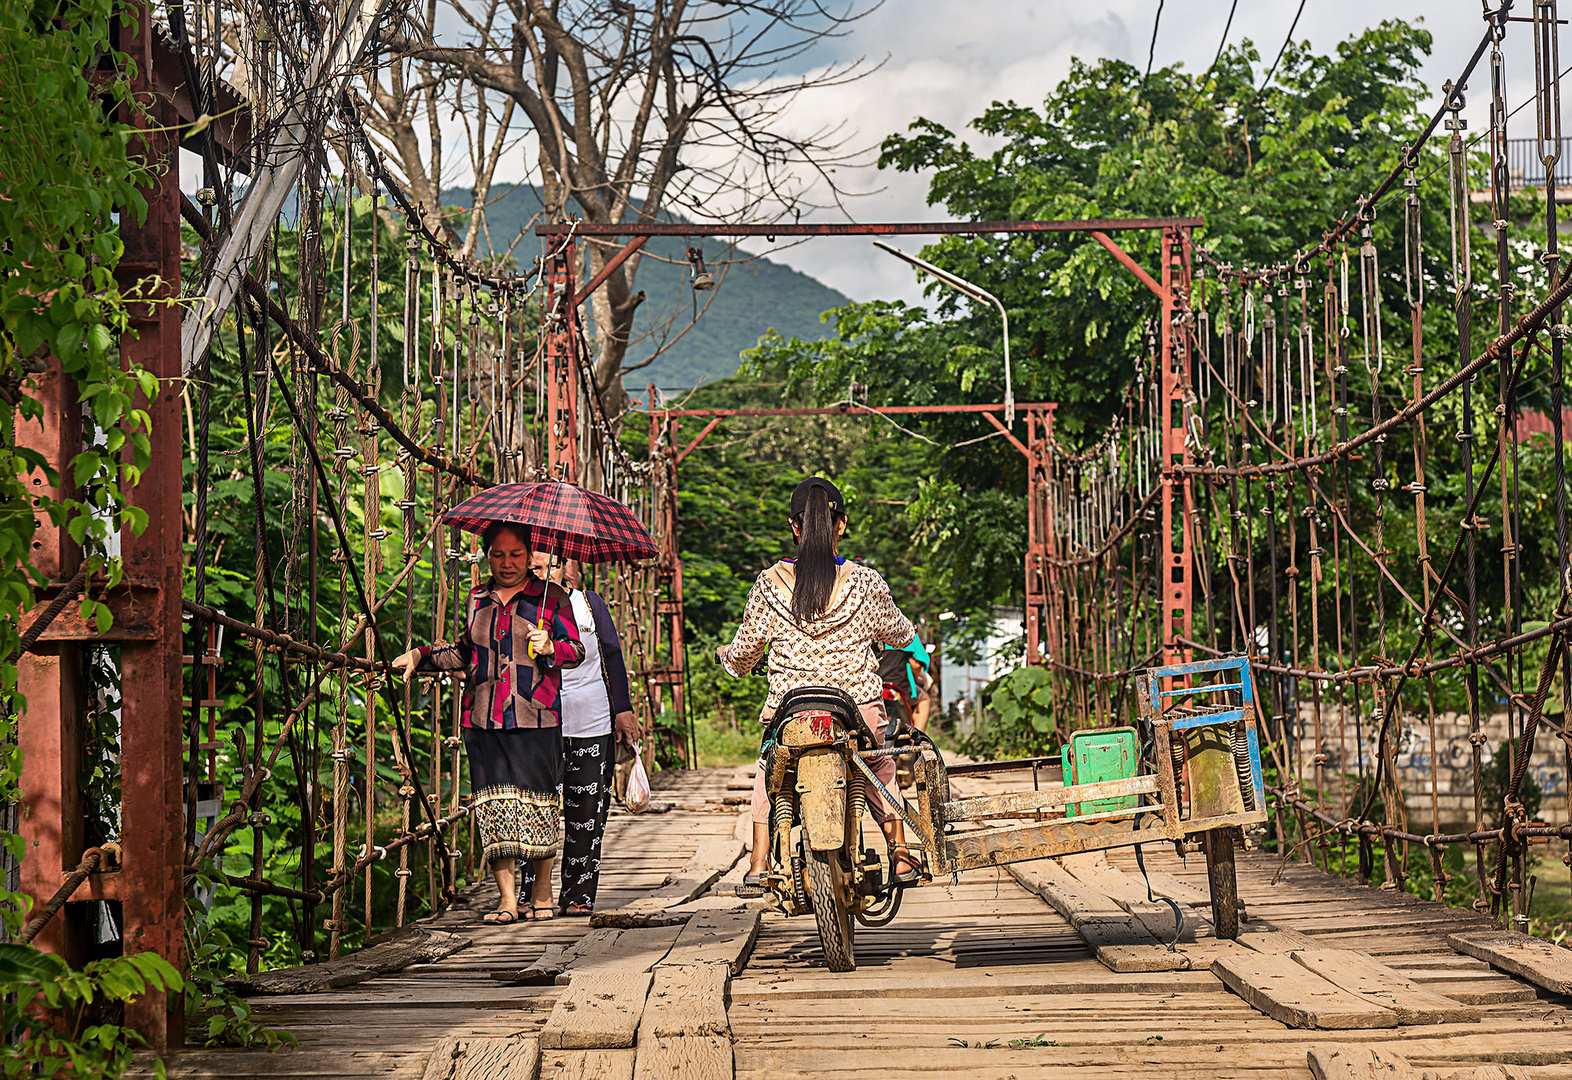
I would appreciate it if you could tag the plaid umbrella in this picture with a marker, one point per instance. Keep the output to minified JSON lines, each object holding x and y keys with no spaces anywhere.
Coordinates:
{"x":563,"y":519}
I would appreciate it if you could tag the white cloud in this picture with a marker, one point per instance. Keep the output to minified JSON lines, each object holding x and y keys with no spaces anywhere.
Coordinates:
{"x":948,"y":60}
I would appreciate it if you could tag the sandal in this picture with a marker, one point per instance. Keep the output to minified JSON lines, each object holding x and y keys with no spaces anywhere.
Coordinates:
{"x":579,"y":911}
{"x":913,"y":870}
{"x":536,"y":916}
{"x":752,"y":886}
{"x":500,"y":918}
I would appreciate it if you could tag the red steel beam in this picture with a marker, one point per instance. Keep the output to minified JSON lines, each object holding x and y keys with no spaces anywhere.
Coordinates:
{"x":996,"y":422}
{"x":854,"y":410}
{"x":152,"y":894}
{"x":694,"y":445}
{"x":1129,"y":264}
{"x":50,"y":678}
{"x":1177,"y":578}
{"x":906,"y":228}
{"x":561,"y":310}
{"x":611,"y":267}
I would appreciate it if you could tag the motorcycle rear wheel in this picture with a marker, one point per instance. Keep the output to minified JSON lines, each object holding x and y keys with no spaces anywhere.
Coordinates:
{"x":831,"y":887}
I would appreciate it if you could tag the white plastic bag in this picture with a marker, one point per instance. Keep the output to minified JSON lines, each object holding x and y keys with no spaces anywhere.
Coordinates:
{"x":637,"y":796}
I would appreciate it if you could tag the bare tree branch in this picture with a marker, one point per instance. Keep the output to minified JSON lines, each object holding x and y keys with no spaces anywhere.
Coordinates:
{"x":638,"y":109}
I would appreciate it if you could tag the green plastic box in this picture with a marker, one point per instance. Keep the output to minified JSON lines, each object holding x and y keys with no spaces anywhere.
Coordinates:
{"x":1104,"y":754}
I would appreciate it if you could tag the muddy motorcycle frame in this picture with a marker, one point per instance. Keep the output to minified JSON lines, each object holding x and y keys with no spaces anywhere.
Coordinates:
{"x":1197,"y":784}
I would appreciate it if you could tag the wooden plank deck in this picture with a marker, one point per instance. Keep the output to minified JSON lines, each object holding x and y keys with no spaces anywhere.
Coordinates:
{"x":977,"y":977}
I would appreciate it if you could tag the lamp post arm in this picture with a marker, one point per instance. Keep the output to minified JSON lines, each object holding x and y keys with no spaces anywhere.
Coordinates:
{"x":975,"y":292}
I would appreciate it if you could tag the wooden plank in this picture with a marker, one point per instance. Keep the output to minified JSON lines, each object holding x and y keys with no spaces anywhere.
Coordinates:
{"x":599,"y":1011}
{"x":543,"y":971}
{"x":634,"y":950}
{"x":685,"y":1057}
{"x":724,"y":900}
{"x":1022,"y":803}
{"x":1130,"y":895}
{"x":419,"y":945}
{"x":499,"y":1059}
{"x":1541,"y":962}
{"x":1291,"y":995}
{"x":715,"y":856}
{"x":1381,"y":986}
{"x":687,"y":1000}
{"x":1346,"y":1062}
{"x":1266,"y":937}
{"x":942,"y":982}
{"x":443,"y":1061}
{"x":285,"y":1065}
{"x":1165,"y":884}
{"x":1195,"y":956}
{"x":555,"y":959}
{"x":1349,"y":1062}
{"x":586,"y":1065}
{"x":1142,"y":958}
{"x":1096,"y":918}
{"x":725,"y":937}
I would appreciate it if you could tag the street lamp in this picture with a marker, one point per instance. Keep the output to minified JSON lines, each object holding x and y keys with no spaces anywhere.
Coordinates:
{"x":976,"y":292}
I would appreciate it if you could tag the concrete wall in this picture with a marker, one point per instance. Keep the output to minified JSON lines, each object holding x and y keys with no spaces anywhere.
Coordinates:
{"x":1449,"y":760}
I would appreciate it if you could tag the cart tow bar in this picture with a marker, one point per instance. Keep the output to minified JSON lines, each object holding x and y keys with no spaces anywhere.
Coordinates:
{"x":896,"y":804}
{"x":1140,"y":862}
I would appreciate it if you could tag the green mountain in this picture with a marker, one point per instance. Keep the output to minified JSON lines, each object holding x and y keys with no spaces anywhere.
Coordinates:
{"x":752,"y":295}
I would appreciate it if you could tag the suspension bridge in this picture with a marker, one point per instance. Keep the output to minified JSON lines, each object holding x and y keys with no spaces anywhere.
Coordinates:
{"x":1246,"y":499}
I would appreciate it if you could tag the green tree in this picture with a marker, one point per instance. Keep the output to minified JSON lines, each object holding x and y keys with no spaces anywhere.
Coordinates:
{"x":1268,"y":169}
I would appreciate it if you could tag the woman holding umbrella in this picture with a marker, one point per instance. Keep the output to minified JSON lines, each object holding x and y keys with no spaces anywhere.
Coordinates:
{"x":520,"y":635}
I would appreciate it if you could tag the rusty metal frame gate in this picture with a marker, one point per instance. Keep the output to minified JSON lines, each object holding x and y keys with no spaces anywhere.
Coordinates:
{"x":1172,"y":288}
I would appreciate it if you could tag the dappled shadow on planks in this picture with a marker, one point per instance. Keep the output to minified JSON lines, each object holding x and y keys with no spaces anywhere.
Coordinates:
{"x":982,"y":979}
{"x":388,"y":1026}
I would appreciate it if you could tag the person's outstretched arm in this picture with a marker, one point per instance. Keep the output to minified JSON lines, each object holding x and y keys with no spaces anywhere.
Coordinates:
{"x":454,"y":657}
{"x":887,"y":624}
{"x":753,"y":636}
{"x":615,"y":667}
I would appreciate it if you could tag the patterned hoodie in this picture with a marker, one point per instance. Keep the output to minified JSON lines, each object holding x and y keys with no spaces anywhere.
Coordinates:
{"x":831,"y":650}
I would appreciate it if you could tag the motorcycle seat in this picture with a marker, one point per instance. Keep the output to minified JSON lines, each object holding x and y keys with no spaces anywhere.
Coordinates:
{"x":830,"y":699}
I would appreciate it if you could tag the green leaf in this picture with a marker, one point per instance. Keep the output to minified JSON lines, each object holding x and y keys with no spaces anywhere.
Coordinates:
{"x":25,"y":965}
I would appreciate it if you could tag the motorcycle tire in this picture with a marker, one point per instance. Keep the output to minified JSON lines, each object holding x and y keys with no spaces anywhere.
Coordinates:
{"x":829,"y":882}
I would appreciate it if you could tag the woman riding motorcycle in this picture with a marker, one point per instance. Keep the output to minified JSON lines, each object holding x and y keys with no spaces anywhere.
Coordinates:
{"x":817,"y":616}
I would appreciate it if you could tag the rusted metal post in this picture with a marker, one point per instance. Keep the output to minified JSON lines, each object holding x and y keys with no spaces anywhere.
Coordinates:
{"x":1039,"y":536}
{"x":668,"y":605}
{"x":50,"y":679}
{"x":153,"y":862}
{"x":1177,"y":577}
{"x":561,"y":315}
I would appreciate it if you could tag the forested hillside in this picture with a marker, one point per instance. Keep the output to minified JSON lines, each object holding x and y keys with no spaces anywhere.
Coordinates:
{"x":752,"y":296}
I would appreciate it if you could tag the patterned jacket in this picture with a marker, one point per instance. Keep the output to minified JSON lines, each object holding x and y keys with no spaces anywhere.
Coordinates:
{"x":831,"y":650}
{"x":506,"y":688}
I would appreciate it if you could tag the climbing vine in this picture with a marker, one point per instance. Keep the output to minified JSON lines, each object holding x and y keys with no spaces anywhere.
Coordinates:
{"x":70,"y":168}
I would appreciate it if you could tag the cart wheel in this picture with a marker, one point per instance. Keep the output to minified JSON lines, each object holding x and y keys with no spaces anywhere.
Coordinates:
{"x":1219,"y":847}
{"x":830,"y":884}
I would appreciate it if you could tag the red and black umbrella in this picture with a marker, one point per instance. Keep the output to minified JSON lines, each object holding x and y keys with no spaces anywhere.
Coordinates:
{"x":563,"y":518}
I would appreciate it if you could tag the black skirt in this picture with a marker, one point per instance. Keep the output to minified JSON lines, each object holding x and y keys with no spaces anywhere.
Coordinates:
{"x":515,"y":777}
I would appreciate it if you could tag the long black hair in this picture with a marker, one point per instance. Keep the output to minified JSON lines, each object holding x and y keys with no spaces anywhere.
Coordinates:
{"x":815,"y":555}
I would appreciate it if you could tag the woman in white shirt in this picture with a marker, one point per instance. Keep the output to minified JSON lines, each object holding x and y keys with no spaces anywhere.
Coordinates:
{"x":597,"y":711}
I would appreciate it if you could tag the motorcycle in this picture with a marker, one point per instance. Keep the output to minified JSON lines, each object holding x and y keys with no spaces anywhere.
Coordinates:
{"x":817,"y":780}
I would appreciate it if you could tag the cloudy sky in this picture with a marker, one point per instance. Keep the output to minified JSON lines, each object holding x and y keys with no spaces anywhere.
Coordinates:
{"x":947,"y":60}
